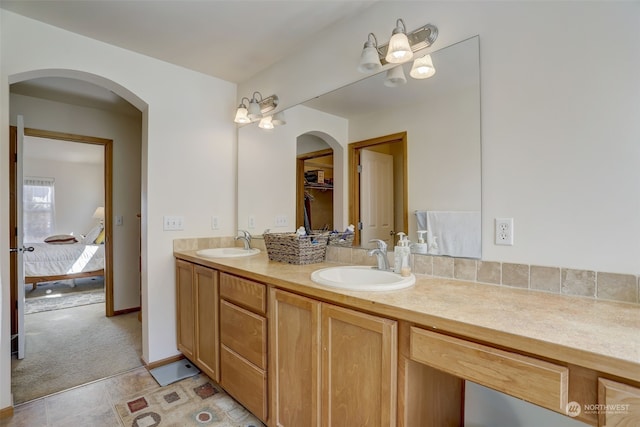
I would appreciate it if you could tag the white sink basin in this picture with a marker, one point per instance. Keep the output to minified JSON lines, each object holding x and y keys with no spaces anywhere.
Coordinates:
{"x":361,"y":278}
{"x":226,"y":252}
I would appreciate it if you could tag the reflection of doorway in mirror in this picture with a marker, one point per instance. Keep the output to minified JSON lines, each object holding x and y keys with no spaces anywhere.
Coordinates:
{"x":394,"y":145}
{"x":376,"y":196}
{"x":314,"y":186}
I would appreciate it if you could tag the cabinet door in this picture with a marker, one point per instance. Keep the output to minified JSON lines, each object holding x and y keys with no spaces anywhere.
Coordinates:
{"x":294,"y":370}
{"x":185,"y":315}
{"x":359,"y":368}
{"x":207,"y":342}
{"x":620,"y":404}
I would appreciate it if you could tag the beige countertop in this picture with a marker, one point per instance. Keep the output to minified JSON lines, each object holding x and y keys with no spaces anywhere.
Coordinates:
{"x":600,"y":335}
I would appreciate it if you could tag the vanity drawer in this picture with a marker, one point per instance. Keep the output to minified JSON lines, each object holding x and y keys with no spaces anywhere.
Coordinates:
{"x":246,"y":293}
{"x":244,"y":381}
{"x":621,"y":403}
{"x":244,"y":332}
{"x":533,"y":380}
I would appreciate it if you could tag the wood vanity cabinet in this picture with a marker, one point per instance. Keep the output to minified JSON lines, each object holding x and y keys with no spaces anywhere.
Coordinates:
{"x":330,"y":365}
{"x":243,"y":342}
{"x":197,"y":316}
{"x":185,"y":303}
{"x":619,"y":404}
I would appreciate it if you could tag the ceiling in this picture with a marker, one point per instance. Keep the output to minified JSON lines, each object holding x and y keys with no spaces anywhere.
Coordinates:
{"x":229,"y":39}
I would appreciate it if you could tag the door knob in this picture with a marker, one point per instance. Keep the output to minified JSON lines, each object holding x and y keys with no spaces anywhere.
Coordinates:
{"x":22,"y":249}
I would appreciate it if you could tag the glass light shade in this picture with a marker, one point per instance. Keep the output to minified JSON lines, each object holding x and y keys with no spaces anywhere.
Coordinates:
{"x":278,"y":119}
{"x":395,"y":77}
{"x":241,"y":115}
{"x":422,"y":68}
{"x":399,"y":50}
{"x":266,"y":123}
{"x":254,"y":110}
{"x":369,"y":60}
{"x":99,"y":213}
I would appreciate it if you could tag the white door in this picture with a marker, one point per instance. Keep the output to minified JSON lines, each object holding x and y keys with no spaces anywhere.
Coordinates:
{"x":20,"y":238}
{"x":376,"y":196}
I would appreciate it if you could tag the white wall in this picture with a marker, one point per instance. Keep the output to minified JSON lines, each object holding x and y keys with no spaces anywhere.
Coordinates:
{"x":559,"y":117}
{"x":188,"y":155}
{"x":79,"y":190}
{"x":126,"y":133}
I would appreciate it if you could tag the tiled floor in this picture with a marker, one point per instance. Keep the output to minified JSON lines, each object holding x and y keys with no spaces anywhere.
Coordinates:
{"x":88,"y":405}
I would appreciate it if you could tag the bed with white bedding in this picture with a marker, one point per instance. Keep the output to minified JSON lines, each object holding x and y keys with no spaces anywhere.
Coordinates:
{"x":48,"y":262}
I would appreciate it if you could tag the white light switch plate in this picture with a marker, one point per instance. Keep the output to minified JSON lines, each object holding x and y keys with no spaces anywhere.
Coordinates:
{"x":173,"y":223}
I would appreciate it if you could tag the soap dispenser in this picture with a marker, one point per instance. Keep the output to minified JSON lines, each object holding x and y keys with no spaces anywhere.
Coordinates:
{"x":433,"y":247}
{"x":402,"y":254}
{"x":421,"y":247}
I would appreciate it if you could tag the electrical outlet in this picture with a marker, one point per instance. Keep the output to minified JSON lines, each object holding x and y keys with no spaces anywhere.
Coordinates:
{"x":504,"y":231}
{"x":282,"y":221}
{"x":251,"y":222}
{"x":173,"y":223}
{"x":215,"y":222}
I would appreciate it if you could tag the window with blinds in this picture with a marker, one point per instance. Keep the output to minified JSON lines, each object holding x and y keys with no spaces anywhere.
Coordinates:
{"x":38,"y":208}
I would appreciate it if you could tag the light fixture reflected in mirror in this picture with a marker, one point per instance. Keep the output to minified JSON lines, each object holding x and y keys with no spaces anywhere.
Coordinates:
{"x":399,"y":50}
{"x":254,"y":107}
{"x":242,"y":112}
{"x":257,"y":108}
{"x":395,"y":77}
{"x":422,"y":68}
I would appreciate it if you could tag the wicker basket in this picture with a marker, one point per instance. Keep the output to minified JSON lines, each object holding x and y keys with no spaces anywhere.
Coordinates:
{"x":340,"y":239}
{"x":293,"y":249}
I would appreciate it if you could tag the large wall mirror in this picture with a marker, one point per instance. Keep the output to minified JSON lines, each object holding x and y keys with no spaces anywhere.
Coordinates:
{"x":438,"y":117}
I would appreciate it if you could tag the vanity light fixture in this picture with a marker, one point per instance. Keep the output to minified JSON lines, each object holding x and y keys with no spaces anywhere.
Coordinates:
{"x":400,"y":49}
{"x":370,"y":57}
{"x":395,"y":77}
{"x":242,"y":112}
{"x":266,"y":123}
{"x":422,"y":68}
{"x":257,"y":107}
{"x":278,"y":119}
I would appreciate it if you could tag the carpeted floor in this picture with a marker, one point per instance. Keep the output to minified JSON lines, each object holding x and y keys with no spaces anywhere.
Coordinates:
{"x":73,"y":346}
{"x":195,"y":401}
{"x":64,"y":294}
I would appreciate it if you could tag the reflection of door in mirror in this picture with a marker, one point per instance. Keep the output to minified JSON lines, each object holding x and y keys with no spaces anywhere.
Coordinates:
{"x":389,"y":183}
{"x":314,"y":184}
{"x":376,"y":196}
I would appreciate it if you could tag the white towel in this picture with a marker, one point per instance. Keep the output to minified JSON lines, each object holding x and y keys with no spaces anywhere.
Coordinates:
{"x":458,"y":233}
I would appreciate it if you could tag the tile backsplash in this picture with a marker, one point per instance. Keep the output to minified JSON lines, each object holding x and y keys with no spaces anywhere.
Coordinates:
{"x":558,"y":280}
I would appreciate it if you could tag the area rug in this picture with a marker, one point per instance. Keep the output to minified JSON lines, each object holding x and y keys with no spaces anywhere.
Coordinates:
{"x":195,"y":401}
{"x":64,"y":294}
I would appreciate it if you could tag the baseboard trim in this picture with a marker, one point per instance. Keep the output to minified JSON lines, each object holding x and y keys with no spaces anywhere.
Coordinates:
{"x":126,"y":311}
{"x":162,"y":362}
{"x":6,"y":412}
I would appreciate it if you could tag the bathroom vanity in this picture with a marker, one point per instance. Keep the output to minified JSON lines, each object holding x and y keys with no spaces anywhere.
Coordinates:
{"x":297,"y":353}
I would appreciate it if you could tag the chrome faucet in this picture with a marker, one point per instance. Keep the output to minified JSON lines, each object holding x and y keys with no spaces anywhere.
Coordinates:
{"x":381,"y":254}
{"x":246,"y":239}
